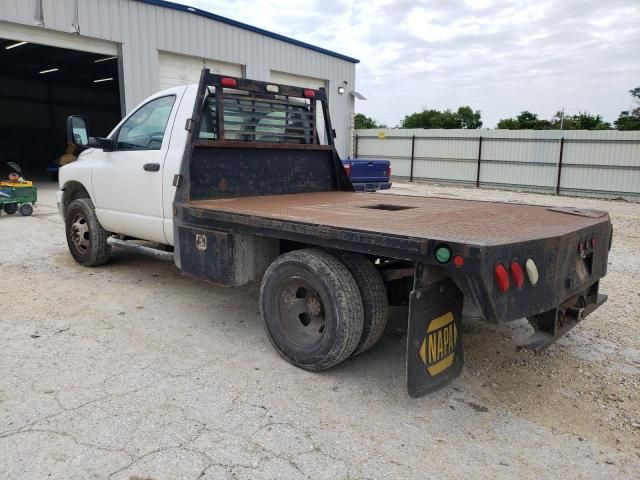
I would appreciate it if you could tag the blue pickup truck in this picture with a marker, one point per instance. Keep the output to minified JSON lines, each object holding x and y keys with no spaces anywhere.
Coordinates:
{"x":368,"y":175}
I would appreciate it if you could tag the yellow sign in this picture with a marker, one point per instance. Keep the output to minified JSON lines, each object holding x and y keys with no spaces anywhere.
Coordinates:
{"x":381,"y":135}
{"x":438,"y":347}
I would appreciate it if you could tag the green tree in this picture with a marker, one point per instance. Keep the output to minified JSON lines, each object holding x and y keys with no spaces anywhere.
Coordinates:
{"x":580,"y":121}
{"x":531,"y":121}
{"x":525,"y":121}
{"x":469,"y":118}
{"x":464,"y":117}
{"x":630,"y":120}
{"x":361,"y":121}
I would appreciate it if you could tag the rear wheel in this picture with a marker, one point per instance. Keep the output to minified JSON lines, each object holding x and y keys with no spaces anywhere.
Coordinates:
{"x":11,"y":208}
{"x":26,"y":209}
{"x":374,"y":299}
{"x":312,"y":309}
{"x":86,"y":238}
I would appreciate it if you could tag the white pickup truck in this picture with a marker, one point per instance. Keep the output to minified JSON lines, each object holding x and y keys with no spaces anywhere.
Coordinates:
{"x":128,"y":175}
{"x":238,"y":180}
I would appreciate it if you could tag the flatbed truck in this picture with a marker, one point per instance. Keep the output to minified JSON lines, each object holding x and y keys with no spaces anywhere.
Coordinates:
{"x":239,"y":181}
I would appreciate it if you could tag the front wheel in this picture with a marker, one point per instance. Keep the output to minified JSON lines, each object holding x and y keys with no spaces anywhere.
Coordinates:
{"x":11,"y":208}
{"x":312,"y":309}
{"x":86,"y":238}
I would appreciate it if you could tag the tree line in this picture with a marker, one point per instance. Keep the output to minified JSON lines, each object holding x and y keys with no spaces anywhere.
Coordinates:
{"x":466,"y":117}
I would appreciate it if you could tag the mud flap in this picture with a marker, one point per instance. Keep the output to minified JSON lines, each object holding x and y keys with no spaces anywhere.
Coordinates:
{"x":434,"y":337}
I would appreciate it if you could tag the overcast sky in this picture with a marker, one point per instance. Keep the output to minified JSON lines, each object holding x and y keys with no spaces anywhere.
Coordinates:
{"x":500,"y":57}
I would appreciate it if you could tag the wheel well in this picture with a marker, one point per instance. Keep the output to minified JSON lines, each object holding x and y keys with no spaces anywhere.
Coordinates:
{"x":73,"y":191}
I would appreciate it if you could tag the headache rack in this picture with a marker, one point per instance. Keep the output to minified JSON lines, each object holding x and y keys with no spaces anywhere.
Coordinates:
{"x":253,"y":138}
{"x":235,"y":111}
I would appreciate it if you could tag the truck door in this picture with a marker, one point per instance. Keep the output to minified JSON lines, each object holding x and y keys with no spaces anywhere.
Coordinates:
{"x":127,"y":182}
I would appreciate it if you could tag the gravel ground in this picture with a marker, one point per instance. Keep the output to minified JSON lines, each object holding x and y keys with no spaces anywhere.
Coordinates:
{"x":131,"y":371}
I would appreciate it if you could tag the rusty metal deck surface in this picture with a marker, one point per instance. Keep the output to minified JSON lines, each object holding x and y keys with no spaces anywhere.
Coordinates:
{"x":454,"y":220}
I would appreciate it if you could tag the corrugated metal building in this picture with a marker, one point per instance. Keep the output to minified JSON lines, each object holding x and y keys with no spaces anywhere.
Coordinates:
{"x":134,"y":48}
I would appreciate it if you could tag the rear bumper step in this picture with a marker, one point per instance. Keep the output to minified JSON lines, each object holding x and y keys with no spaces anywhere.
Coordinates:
{"x":564,"y":319}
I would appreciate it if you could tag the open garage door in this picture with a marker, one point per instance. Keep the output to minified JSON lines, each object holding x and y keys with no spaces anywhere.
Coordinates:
{"x":176,"y":70}
{"x":40,"y":86}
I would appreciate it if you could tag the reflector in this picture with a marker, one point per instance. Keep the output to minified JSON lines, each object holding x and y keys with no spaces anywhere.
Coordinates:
{"x":443,"y":254}
{"x":502,"y":278}
{"x":532,"y":271}
{"x":309,"y":93}
{"x":517,"y":274}
{"x":228,"y":82}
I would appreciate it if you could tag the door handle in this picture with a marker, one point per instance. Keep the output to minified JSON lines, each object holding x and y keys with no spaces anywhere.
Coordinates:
{"x":151,"y":167}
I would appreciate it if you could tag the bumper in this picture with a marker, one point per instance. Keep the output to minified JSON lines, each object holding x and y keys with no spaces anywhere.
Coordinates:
{"x":553,"y":324}
{"x":371,"y":186}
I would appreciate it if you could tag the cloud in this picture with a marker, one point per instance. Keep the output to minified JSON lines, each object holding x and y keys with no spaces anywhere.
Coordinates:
{"x":498,"y":56}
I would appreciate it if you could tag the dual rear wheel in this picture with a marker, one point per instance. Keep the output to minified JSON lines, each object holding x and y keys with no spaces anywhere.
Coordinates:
{"x":319,"y":309}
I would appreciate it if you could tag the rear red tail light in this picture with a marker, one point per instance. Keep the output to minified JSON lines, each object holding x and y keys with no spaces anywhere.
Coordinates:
{"x":347,"y":168}
{"x":517,"y":274}
{"x":502,"y":278}
{"x":309,"y":93}
{"x":389,"y":171}
{"x":228,"y":82}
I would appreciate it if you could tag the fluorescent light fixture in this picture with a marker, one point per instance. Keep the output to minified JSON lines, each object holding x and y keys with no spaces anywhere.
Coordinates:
{"x":14,"y":45}
{"x":105,"y":59}
{"x":100,"y":80}
{"x":49,"y":70}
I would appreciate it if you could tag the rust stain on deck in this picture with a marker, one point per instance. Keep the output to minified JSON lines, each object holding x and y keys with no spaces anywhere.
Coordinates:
{"x":468,"y":221}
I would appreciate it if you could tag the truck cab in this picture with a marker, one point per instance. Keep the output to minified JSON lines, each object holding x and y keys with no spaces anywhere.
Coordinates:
{"x":128,"y":175}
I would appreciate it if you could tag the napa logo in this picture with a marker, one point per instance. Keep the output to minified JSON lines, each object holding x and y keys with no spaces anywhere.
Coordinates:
{"x":437,"y":349}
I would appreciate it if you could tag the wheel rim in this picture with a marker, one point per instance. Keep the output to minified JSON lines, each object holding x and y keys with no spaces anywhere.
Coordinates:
{"x":303,"y":317}
{"x":80,"y":234}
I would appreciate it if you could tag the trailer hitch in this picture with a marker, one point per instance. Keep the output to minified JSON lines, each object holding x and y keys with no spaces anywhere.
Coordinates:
{"x":549,"y":326}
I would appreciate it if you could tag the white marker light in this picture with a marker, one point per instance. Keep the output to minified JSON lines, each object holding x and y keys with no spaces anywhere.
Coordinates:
{"x":49,"y":70}
{"x":14,"y":45}
{"x":532,"y":271}
{"x":272,"y":88}
{"x":104,"y":59}
{"x":100,"y":80}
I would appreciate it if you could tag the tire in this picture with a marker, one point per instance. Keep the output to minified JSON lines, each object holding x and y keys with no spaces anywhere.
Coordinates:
{"x":374,"y":299}
{"x":10,"y":208}
{"x":311,"y":308}
{"x":86,"y":239}
{"x":26,"y":209}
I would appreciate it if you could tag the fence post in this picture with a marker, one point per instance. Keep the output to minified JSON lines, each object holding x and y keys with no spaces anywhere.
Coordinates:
{"x":413,"y":149}
{"x":479,"y":159}
{"x":560,"y":165}
{"x":355,"y":148}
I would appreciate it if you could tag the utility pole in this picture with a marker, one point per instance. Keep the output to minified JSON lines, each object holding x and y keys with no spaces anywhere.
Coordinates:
{"x":562,"y":118}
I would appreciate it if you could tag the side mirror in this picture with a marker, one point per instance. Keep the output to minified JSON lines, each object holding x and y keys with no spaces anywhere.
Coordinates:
{"x":78,"y":134}
{"x":77,"y":131}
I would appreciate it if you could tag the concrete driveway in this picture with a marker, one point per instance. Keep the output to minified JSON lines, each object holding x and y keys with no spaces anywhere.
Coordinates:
{"x":131,"y":371}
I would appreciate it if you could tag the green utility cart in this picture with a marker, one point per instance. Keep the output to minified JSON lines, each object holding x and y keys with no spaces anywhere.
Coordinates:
{"x":17,"y":194}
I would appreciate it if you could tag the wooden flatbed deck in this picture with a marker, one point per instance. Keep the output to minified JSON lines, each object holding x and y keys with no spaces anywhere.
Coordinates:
{"x":467,"y":221}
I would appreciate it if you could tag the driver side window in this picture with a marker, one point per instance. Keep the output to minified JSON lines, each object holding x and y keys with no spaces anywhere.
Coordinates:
{"x":144,"y":130}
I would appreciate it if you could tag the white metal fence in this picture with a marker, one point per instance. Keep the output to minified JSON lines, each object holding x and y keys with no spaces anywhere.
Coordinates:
{"x":602,"y":164}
